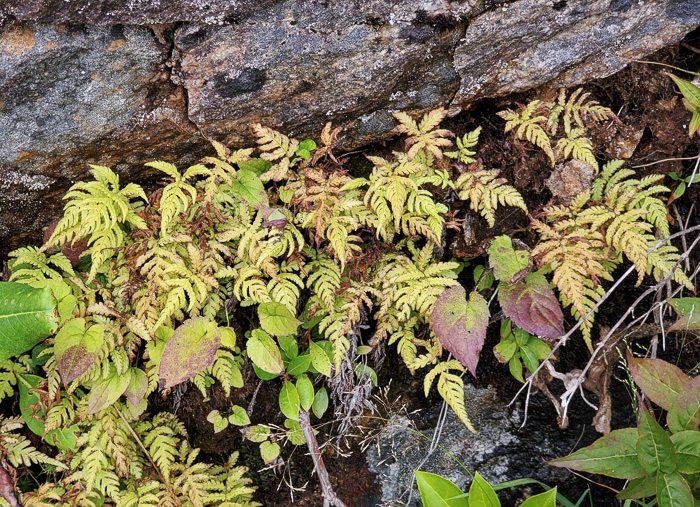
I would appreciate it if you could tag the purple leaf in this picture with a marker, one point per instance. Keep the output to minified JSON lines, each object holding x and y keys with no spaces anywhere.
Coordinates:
{"x":461,"y":326}
{"x":76,"y":348}
{"x":190,"y":351}
{"x":532,"y":306}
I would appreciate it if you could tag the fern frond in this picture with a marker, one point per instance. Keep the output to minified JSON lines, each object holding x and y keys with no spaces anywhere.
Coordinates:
{"x":426,"y":135}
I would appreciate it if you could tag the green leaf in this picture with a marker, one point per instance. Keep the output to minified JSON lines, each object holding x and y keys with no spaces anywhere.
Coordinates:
{"x":219,"y":422}
{"x":189,"y":352}
{"x":306,"y":392}
{"x":27,"y":316}
{"x":319,"y":359}
{"x":515,"y":366}
{"x":263,"y":351}
{"x":257,"y":166}
{"x":460,"y":325}
{"x":106,"y":392}
{"x":436,"y":491}
{"x":239,"y":417}
{"x":269,"y":451}
{"x":307,"y":144}
{"x":481,"y":494}
{"x":504,"y":351}
{"x":362,"y":369}
{"x":540,"y":348}
{"x":76,"y":348}
{"x":689,"y":91}
{"x":673,"y":491}
{"x":614,"y":455}
{"x":289,"y":401}
{"x":687,"y":444}
{"x":299,"y":365}
{"x":257,"y":434}
{"x":138,"y":385}
{"x":694,"y":123}
{"x":529,"y":358}
{"x":660,"y":381}
{"x":228,"y":338}
{"x":277,"y":320}
{"x":546,"y":499}
{"x":320,"y":404}
{"x":294,"y":433}
{"x":685,"y":412}
{"x":289,"y":345}
{"x":655,"y":450}
{"x":639,"y":488}
{"x":487,"y":280}
{"x":247,"y":186}
{"x":685,"y":306}
{"x":505,"y":260}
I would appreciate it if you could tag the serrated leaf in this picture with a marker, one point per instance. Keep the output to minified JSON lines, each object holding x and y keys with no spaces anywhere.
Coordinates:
{"x":505,"y":260}
{"x":77,"y":348}
{"x":614,"y":455}
{"x":660,"y":381}
{"x":294,"y":432}
{"x":532,"y":305}
{"x":460,"y":325}
{"x":481,"y":493}
{"x":306,"y":392}
{"x":320,"y":404}
{"x":190,"y":350}
{"x":319,"y":359}
{"x":263,"y":351}
{"x":685,"y":412}
{"x":27,"y":316}
{"x":269,"y":451}
{"x":655,"y":450}
{"x":247,"y":186}
{"x":276,"y":319}
{"x":289,"y":401}
{"x":687,"y":445}
{"x":138,"y":385}
{"x":437,"y":491}
{"x":239,"y":416}
{"x":546,"y":499}
{"x":672,"y":490}
{"x":106,"y":392}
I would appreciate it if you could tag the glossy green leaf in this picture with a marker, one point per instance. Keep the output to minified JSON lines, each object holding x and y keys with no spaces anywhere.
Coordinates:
{"x":687,"y":445}
{"x":306,"y":392}
{"x":546,"y":499}
{"x":685,"y":412}
{"x":239,"y":416}
{"x":138,"y":385}
{"x":27,"y":316}
{"x":660,"y":381}
{"x":319,"y":359}
{"x":505,"y":350}
{"x":107,"y":391}
{"x":294,"y":432}
{"x":436,"y":491}
{"x":289,"y":345}
{"x":655,"y":450}
{"x":505,"y":260}
{"x":77,"y":348}
{"x":614,"y":455}
{"x":277,"y":320}
{"x":481,"y":494}
{"x":289,"y":401}
{"x":460,"y":325}
{"x":299,"y":365}
{"x":532,"y":305}
{"x":515,"y":366}
{"x":263,"y":351}
{"x":247,"y":186}
{"x":320,"y":404}
{"x":190,"y":350}
{"x":672,"y":490}
{"x":269,"y":451}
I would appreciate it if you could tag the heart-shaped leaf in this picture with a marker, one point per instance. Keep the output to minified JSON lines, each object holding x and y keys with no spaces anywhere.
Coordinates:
{"x":277,"y":320}
{"x":76,"y":348}
{"x":247,"y":186}
{"x":239,"y":417}
{"x":505,"y":260}
{"x":532,"y":305}
{"x":269,"y":451}
{"x":190,"y":350}
{"x":460,"y":325}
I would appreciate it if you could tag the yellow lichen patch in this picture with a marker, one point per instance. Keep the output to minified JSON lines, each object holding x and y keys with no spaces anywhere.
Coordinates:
{"x":17,"y":40}
{"x":116,"y":44}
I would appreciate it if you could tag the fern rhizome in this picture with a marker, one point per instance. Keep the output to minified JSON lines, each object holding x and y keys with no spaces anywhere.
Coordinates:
{"x":290,"y":232}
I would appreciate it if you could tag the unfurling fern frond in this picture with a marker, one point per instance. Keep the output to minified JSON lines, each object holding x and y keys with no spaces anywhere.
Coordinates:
{"x":426,"y":135}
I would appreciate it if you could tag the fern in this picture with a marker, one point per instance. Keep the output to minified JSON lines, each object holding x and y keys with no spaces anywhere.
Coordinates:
{"x":451,"y":388}
{"x":17,"y":449}
{"x":485,"y":191}
{"x":578,"y":147}
{"x":426,"y":135}
{"x":30,"y":264}
{"x":278,"y":148}
{"x":464,"y":154}
{"x":529,"y":126}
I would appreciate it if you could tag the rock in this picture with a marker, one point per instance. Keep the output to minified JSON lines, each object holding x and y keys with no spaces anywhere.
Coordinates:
{"x":121,"y":83}
{"x":570,"y":179}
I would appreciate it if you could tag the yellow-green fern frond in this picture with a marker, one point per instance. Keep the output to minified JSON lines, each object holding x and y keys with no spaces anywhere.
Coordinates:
{"x":578,"y":147}
{"x":529,"y":126}
{"x":464,"y":153}
{"x":426,"y":135}
{"x":275,"y":147}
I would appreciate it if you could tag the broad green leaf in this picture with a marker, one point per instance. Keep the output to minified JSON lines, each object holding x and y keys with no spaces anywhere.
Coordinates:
{"x":263,"y":351}
{"x":228,"y":338}
{"x":107,"y":391}
{"x":690,"y":322}
{"x":685,"y":306}
{"x":263,"y":375}
{"x":660,"y":381}
{"x":614,"y":455}
{"x":306,"y":392}
{"x":138,"y":385}
{"x":481,"y":494}
{"x":685,"y":412}
{"x":299,"y":365}
{"x":219,"y":422}
{"x":189,"y":352}
{"x":362,"y":369}
{"x":436,"y":491}
{"x":546,"y":499}
{"x":27,"y":316}
{"x":485,"y":282}
{"x":289,"y":401}
{"x":294,"y":432}
{"x":639,"y":488}
{"x":239,"y":417}
{"x":504,"y":351}
{"x":505,"y":260}
{"x":247,"y":186}
{"x":257,"y":434}
{"x":694,"y":123}
{"x":461,"y":326}
{"x":529,"y":358}
{"x":540,"y":348}
{"x":515,"y":366}
{"x":655,"y":450}
{"x":688,"y":308}
{"x":257,"y":166}
{"x":319,"y":359}
{"x":363,"y":350}
{"x":277,"y":320}
{"x":66,"y":439}
{"x":687,"y":444}
{"x":76,"y":348}
{"x":269,"y":451}
{"x":673,"y":491}
{"x":689,"y":91}
{"x":532,"y":305}
{"x":289,"y":345}
{"x":320,"y":404}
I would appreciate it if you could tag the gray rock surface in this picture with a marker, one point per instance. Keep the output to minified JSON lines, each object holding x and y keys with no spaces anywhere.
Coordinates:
{"x":123,"y":82}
